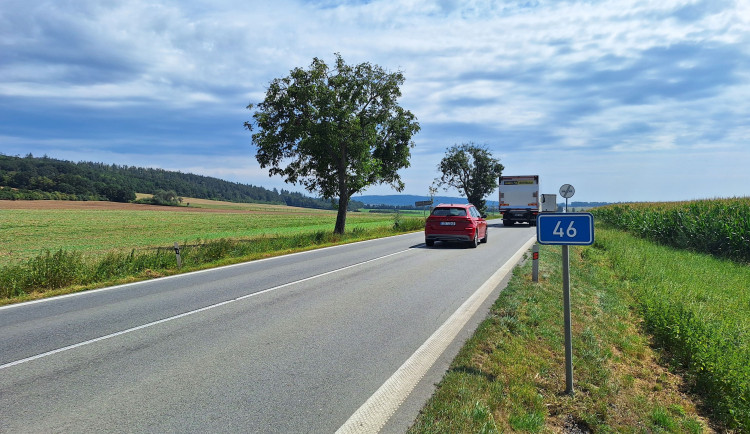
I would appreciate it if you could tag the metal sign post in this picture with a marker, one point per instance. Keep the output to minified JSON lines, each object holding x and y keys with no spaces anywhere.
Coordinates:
{"x":566,"y":229}
{"x":424,"y":203}
{"x":568,"y":330}
{"x":567,"y":191}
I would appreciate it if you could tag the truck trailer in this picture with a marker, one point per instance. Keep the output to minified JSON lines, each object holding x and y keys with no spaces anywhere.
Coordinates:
{"x":549,"y":202}
{"x":519,"y":199}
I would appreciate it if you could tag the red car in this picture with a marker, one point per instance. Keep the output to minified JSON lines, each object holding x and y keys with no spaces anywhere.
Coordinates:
{"x":452,"y":222}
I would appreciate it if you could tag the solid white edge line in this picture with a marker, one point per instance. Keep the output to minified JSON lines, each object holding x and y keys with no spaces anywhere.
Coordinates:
{"x":175,"y":276}
{"x":182,"y":315}
{"x":378,"y":409}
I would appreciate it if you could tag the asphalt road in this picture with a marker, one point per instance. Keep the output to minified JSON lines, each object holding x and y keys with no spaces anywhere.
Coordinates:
{"x":289,"y":344}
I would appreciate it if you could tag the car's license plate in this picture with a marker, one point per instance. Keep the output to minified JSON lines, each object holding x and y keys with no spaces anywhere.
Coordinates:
{"x":447,"y":223}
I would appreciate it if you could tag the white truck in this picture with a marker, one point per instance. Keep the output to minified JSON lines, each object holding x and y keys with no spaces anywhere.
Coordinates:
{"x":549,"y":203}
{"x":519,"y":199}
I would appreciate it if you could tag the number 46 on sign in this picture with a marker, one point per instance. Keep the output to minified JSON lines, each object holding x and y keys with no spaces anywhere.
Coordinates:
{"x":571,"y":232}
{"x":565,"y":229}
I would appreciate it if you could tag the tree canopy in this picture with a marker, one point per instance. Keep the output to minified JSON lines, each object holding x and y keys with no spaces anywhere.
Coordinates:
{"x":334,"y":130}
{"x":472,"y":170}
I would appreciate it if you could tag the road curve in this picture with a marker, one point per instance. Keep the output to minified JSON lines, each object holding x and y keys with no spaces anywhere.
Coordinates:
{"x":290,"y":344}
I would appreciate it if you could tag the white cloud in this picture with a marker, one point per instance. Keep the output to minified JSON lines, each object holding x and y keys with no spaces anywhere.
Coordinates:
{"x":614,"y":78}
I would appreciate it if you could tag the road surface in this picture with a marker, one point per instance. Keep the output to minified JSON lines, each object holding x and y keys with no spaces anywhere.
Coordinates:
{"x":296,"y":343}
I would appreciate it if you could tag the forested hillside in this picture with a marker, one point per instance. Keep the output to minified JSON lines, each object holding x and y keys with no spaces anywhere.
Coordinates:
{"x":30,"y":177}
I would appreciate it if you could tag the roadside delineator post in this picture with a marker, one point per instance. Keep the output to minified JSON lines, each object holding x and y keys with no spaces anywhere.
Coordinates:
{"x":535,"y":263}
{"x":177,"y":253}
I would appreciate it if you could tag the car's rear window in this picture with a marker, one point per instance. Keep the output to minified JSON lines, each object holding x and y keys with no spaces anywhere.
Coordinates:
{"x":460,"y":212}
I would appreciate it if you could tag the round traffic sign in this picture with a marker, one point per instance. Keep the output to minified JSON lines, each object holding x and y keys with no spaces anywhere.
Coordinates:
{"x":567,"y":191}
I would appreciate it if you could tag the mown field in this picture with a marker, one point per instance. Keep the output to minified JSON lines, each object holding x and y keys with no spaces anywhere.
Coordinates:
{"x":96,"y":228}
{"x":56,"y":247}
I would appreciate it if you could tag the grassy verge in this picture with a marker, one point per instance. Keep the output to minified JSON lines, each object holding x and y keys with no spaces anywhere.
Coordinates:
{"x":637,"y":308}
{"x":696,"y":307}
{"x":65,"y":271}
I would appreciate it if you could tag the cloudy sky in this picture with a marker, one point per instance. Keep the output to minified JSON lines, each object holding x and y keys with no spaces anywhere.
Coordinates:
{"x":628,"y":100}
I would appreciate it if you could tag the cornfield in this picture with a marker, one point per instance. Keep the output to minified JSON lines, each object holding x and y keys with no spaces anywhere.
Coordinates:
{"x":720,"y":227}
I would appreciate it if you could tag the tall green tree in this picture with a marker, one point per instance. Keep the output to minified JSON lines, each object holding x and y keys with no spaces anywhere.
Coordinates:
{"x":335,"y":130}
{"x":471,"y":170}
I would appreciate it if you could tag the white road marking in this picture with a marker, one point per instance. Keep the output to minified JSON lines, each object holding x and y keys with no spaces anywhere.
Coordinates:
{"x":378,"y":409}
{"x":182,"y":315}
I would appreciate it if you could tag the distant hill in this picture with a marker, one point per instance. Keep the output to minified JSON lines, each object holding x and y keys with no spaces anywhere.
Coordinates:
{"x":578,"y":206}
{"x":30,"y":177}
{"x":406,"y":200}
{"x":585,"y":204}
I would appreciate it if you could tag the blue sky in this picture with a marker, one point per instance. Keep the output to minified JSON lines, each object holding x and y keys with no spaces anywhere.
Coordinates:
{"x":628,"y":100}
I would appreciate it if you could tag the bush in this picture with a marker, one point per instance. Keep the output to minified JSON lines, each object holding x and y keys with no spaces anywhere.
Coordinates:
{"x":407,"y":224}
{"x":46,"y":271}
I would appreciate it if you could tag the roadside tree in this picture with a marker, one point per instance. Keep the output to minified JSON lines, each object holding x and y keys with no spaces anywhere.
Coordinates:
{"x":334,"y":130}
{"x":471,"y":170}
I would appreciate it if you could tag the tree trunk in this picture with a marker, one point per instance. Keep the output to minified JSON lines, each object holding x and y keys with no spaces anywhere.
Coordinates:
{"x":343,"y":191}
{"x":341,"y":216}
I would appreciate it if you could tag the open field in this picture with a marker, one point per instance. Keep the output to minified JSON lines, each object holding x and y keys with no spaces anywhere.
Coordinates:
{"x":96,"y":228}
{"x":57,"y":247}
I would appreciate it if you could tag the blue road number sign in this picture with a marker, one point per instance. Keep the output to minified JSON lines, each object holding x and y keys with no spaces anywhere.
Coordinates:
{"x":565,"y":228}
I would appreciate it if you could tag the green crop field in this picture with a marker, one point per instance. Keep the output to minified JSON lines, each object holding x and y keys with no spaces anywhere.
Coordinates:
{"x":94,"y":231}
{"x":719,"y":227}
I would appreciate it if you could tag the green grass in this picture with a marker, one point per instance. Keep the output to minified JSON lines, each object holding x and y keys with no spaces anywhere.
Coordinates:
{"x":510,"y":375}
{"x":697,"y":308}
{"x":28,"y":233}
